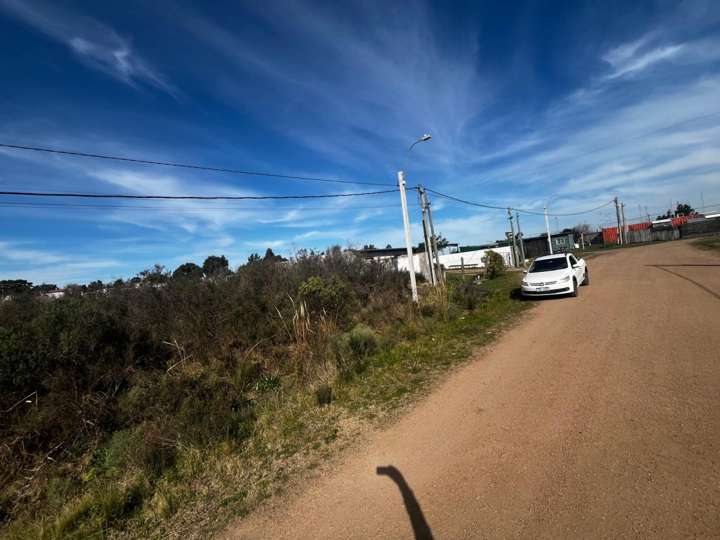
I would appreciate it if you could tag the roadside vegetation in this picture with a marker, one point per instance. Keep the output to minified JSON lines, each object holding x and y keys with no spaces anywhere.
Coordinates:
{"x":709,"y":243}
{"x":172,"y":403}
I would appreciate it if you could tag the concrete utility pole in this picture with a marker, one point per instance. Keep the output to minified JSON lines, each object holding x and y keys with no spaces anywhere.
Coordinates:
{"x":428,"y":245}
{"x":520,"y":238}
{"x":625,"y":226}
{"x":408,"y":238}
{"x":547,"y":229}
{"x":617,"y":214}
{"x":648,"y":214}
{"x":512,"y":235}
{"x":433,"y":239}
{"x":435,"y":254}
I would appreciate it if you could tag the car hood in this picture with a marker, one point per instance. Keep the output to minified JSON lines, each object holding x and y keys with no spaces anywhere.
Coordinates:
{"x":544,"y":277}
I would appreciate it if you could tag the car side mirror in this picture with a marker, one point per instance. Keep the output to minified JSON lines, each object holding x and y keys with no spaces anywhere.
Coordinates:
{"x":524,"y":271}
{"x":575,"y":266}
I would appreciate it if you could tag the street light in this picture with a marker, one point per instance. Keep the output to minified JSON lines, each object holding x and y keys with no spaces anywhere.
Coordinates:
{"x":406,"y":221}
{"x":424,"y":138}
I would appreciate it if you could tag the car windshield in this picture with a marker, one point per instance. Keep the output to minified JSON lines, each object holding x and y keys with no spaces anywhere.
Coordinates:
{"x":548,"y":265}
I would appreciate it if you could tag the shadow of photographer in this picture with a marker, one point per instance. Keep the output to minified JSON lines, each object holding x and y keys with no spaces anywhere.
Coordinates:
{"x":420,"y":527}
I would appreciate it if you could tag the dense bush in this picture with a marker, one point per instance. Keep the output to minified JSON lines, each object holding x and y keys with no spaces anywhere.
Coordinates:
{"x":468,"y":294}
{"x":494,"y":264}
{"x":129,"y":374}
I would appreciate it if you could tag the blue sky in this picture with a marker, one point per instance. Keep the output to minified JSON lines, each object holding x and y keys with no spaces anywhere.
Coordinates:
{"x":526,"y":101}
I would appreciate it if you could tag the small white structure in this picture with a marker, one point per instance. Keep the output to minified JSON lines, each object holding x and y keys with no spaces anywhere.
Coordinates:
{"x":57,"y":293}
{"x":455,"y":261}
{"x":473,"y":259}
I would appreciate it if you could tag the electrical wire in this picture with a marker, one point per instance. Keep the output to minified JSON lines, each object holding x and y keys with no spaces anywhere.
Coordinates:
{"x":190,"y":166}
{"x":11,"y":204}
{"x":521,"y":210}
{"x":193,"y":197}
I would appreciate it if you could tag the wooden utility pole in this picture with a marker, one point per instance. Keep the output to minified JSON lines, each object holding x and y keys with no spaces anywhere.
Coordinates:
{"x":433,"y":240}
{"x":520,"y":239}
{"x":426,"y":236}
{"x":617,"y":214}
{"x":512,"y":235}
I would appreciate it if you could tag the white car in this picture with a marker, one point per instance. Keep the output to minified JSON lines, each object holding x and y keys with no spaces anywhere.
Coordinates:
{"x":553,"y":275}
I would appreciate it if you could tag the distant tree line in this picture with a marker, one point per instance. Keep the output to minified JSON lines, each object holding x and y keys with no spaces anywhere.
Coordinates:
{"x":682,"y":209}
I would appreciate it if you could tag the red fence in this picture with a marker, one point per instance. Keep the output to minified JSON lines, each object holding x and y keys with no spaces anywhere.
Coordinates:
{"x":610,"y":235}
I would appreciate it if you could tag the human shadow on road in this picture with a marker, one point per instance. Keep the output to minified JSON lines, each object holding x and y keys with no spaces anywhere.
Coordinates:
{"x":420,"y":527}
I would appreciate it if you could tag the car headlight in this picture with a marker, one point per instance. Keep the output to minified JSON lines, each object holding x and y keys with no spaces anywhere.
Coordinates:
{"x":523,"y":282}
{"x":565,"y":279}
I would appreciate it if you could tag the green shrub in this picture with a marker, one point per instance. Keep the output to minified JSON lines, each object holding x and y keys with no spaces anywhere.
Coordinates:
{"x":468,"y":295}
{"x":145,"y":372}
{"x":494,"y":264}
{"x":331,"y":296}
{"x":323,"y":394}
{"x":363,"y":340}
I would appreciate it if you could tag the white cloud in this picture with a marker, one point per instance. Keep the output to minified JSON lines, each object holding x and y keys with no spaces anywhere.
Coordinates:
{"x":18,"y":261}
{"x":94,"y":43}
{"x":12,"y":252}
{"x":625,"y":62}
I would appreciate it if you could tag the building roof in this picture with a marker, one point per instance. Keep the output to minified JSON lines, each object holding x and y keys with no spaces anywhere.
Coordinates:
{"x":554,"y":256}
{"x":386,"y":252}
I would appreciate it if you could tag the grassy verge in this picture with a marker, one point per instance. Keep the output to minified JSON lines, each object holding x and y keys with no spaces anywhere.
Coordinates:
{"x":709,"y":243}
{"x":297,"y":428}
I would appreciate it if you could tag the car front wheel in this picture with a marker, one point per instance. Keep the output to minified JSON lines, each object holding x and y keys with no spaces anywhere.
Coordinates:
{"x":575,"y":288}
{"x":586,"y":280}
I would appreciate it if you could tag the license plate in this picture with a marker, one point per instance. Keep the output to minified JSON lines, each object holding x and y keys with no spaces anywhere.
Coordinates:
{"x":543,"y":288}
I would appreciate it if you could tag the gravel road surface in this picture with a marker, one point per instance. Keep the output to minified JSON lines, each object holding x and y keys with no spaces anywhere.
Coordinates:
{"x":598,"y":416}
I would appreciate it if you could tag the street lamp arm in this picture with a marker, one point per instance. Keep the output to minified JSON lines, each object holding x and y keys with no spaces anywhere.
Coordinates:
{"x":424,"y":138}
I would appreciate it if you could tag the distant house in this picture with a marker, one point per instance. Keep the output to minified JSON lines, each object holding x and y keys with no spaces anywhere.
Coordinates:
{"x":468,"y":257}
{"x":54,"y":294}
{"x":471,"y":257}
{"x":536,"y":246}
{"x":397,"y":258}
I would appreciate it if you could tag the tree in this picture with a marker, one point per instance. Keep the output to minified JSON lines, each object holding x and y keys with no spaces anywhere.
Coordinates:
{"x":73,"y":289}
{"x":44,"y":288}
{"x":388,"y":246}
{"x":581,"y":228}
{"x":215,"y":266}
{"x":95,"y":286}
{"x":682,"y":209}
{"x":369,"y":246}
{"x":254,"y":257}
{"x":441,"y":241}
{"x":155,"y":276}
{"x":188,"y":270}
{"x":270,"y":256}
{"x":14,"y":286}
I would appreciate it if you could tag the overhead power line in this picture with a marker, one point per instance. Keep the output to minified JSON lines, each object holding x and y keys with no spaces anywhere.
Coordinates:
{"x":192,"y":197}
{"x":522,"y":210}
{"x":190,"y":166}
{"x":12,"y":204}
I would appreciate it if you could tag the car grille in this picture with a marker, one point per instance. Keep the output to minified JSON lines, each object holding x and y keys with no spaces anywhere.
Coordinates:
{"x":540,"y":284}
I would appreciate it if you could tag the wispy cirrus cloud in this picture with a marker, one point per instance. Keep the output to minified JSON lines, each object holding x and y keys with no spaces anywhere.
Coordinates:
{"x":625,"y":61}
{"x":37,"y":264}
{"x":92,"y":42}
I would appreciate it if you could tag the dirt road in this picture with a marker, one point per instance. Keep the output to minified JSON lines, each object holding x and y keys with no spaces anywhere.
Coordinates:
{"x":597,"y":417}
